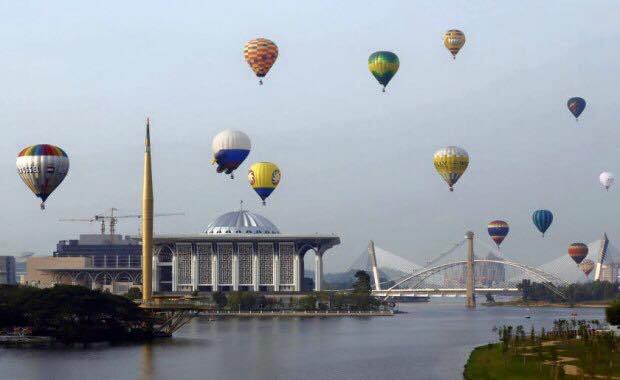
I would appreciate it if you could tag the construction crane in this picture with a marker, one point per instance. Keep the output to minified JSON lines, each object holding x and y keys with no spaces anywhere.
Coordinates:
{"x":112,"y":219}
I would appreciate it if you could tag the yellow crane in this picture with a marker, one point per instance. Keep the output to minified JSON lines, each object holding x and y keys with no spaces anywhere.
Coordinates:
{"x":112,"y":219}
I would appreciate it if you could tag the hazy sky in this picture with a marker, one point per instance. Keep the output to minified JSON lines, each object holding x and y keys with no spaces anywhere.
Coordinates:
{"x":354,"y":161}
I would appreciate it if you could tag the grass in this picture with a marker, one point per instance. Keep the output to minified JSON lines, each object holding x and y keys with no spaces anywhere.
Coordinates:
{"x":491,"y":362}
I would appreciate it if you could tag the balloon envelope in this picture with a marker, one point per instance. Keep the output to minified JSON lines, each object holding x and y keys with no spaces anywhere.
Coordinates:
{"x":42,"y":168}
{"x":454,"y":40}
{"x":498,"y":230}
{"x":578,"y":252}
{"x":586,"y":266}
{"x":542,"y":220}
{"x":264,"y":177}
{"x":607,"y":179}
{"x":383,"y":65}
{"x":260,"y":54}
{"x":576,"y":106}
{"x":451,"y":162}
{"x":230,"y":148}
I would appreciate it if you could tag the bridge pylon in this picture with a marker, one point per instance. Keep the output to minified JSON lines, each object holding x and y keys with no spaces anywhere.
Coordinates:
{"x":470,"y":280}
{"x":373,"y":264}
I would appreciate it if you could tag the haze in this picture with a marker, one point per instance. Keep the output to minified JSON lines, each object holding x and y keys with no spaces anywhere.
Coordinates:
{"x":354,"y":161}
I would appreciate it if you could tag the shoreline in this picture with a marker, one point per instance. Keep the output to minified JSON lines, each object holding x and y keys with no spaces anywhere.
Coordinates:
{"x":548,"y":304}
{"x":297,"y":314}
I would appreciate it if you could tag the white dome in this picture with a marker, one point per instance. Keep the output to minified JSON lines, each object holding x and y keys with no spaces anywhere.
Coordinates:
{"x":242,"y":222}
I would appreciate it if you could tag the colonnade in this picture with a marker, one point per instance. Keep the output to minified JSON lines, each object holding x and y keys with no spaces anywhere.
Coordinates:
{"x":234,"y":266}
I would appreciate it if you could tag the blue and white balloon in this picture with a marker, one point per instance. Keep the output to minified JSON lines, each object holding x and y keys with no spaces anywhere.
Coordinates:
{"x":230,"y":149}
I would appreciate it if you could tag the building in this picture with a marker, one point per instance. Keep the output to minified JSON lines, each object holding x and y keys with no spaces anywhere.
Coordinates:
{"x":45,"y":271}
{"x":491,"y":274}
{"x":104,"y":250}
{"x":240,"y":250}
{"x":7,"y":270}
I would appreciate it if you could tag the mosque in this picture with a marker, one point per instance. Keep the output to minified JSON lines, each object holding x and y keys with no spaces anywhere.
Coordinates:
{"x":240,"y":250}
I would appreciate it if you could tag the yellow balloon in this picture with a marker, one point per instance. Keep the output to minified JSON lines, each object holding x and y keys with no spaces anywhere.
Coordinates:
{"x":264,"y":177}
{"x":454,"y":40}
{"x":451,"y":162}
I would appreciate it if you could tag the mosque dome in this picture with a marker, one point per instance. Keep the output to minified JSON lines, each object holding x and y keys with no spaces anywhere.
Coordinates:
{"x":241,"y":222}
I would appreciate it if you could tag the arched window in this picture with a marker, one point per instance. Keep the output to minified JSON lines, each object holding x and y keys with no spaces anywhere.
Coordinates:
{"x":165,"y":255}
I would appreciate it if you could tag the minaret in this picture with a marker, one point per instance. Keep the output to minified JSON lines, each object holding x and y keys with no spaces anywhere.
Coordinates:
{"x":147,"y":220}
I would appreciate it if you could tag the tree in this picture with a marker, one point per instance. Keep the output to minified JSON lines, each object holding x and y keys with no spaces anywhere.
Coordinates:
{"x":220,"y":299}
{"x":362,"y":282}
{"x":612,"y":313}
{"x":74,"y":314}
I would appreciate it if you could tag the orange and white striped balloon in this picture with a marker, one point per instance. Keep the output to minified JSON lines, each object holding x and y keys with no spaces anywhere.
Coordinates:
{"x":260,"y":54}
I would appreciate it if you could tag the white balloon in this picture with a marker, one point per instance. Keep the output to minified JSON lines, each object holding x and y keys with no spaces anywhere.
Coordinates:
{"x":607,"y":179}
{"x":231,"y":139}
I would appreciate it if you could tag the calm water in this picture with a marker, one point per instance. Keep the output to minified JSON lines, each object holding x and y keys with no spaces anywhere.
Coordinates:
{"x":432,"y":341}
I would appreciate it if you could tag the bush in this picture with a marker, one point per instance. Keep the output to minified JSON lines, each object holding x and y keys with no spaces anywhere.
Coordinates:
{"x":612,"y":313}
{"x":246,"y":301}
{"x":134,"y":293}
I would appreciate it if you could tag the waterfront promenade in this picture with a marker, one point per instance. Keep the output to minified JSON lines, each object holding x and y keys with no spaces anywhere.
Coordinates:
{"x":298,"y":314}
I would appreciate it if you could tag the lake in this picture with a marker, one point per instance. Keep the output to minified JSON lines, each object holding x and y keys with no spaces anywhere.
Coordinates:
{"x":430,"y":341}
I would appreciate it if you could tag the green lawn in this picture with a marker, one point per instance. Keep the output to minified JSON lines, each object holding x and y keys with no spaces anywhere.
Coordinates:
{"x":489,"y":362}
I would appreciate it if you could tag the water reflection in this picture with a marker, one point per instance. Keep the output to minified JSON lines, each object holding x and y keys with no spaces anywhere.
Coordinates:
{"x":146,"y":369}
{"x":432,"y":341}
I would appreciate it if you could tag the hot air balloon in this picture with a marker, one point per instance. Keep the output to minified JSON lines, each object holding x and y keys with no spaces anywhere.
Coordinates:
{"x":578,"y":252}
{"x":230,"y":148}
{"x":264,"y":177}
{"x":383,"y":65}
{"x":260,"y":54}
{"x":576,"y":106}
{"x":607,"y":179}
{"x":451,"y":162}
{"x":454,"y":40}
{"x":42,"y":168}
{"x":587,"y":266}
{"x":542,"y":220}
{"x":498,"y":229}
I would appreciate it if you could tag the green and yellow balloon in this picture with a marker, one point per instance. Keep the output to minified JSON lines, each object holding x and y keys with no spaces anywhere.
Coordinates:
{"x":383,"y":65}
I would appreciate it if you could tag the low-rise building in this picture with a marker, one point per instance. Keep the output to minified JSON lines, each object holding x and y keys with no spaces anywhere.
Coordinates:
{"x":42,"y":271}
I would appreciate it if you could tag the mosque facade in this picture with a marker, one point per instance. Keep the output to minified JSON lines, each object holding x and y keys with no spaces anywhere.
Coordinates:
{"x":239,"y":251}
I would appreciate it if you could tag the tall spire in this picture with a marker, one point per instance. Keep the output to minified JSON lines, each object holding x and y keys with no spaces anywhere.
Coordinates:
{"x":147,"y":140}
{"x":147,"y":219}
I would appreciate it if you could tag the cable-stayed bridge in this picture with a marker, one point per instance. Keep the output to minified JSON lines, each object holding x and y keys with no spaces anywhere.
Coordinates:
{"x":467,"y":268}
